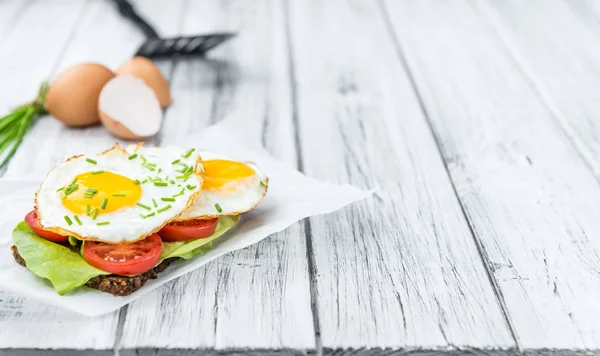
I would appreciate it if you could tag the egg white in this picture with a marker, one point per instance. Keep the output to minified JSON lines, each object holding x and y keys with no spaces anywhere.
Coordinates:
{"x":125,"y":224}
{"x":246,"y":196}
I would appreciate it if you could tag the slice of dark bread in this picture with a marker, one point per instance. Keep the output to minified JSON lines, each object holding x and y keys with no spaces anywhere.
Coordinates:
{"x":112,"y":283}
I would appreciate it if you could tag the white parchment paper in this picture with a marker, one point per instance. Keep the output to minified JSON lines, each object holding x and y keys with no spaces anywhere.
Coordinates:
{"x":291,"y":197}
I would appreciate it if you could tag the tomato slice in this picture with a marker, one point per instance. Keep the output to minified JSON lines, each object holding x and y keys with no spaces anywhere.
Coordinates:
{"x":188,"y":230}
{"x":34,"y":223}
{"x":125,"y":259}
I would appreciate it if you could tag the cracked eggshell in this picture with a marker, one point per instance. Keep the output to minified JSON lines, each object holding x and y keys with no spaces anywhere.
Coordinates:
{"x":129,"y":109}
{"x":146,"y":70}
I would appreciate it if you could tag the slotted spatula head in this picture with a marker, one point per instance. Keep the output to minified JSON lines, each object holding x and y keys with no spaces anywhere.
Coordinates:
{"x":156,"y":47}
{"x":189,"y":45}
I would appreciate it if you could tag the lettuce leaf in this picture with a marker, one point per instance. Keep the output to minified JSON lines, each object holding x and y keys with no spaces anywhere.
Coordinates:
{"x":189,"y":249}
{"x":63,"y":267}
{"x":66,"y":269}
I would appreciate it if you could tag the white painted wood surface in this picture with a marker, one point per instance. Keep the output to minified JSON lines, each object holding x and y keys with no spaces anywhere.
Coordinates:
{"x":481,"y":236}
{"x":530,"y":198}
{"x":397,"y":271}
{"x":257,"y":298}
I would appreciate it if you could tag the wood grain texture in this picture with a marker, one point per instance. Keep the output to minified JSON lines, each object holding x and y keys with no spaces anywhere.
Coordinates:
{"x":400,"y":270}
{"x":101,"y":35}
{"x":531,"y":200}
{"x":562,"y":65}
{"x":105,"y":37}
{"x":257,"y":298}
{"x":21,"y":64}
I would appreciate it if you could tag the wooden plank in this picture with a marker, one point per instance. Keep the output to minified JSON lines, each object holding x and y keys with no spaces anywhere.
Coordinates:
{"x":25,"y":65}
{"x":10,"y":11}
{"x":529,"y":197}
{"x":103,"y":36}
{"x":562,"y":65}
{"x":21,"y":64}
{"x":256,"y":299}
{"x":402,"y":270}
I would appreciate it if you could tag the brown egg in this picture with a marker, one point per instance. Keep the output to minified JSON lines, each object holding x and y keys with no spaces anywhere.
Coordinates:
{"x":129,"y":109}
{"x":147,"y":71}
{"x":73,"y":96}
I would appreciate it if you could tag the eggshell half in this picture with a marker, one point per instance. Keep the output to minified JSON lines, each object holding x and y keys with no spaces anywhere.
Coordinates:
{"x":129,"y":109}
{"x":73,"y":96}
{"x":147,"y":71}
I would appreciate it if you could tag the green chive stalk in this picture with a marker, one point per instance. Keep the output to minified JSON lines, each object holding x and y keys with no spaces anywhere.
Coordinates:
{"x":14,"y":126}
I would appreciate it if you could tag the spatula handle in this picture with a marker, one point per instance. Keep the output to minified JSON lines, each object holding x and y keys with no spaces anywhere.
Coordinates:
{"x":127,"y":10}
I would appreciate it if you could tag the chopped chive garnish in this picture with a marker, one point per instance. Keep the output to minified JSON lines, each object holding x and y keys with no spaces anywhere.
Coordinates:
{"x":89,"y":193}
{"x":160,"y":184}
{"x":144,"y":160}
{"x":70,"y":189}
{"x":103,"y":223}
{"x":89,"y":160}
{"x":145,"y":181}
{"x":172,"y":181}
{"x":132,"y":156}
{"x":157,"y":179}
{"x":188,"y":153}
{"x":175,"y":161}
{"x":104,"y":202}
{"x":68,"y":220}
{"x":262,"y":184}
{"x":218,"y":207}
{"x":165,"y":208}
{"x":119,"y":195}
{"x":180,"y":193}
{"x":144,"y":206}
{"x":189,"y":169}
{"x":151,"y":165}
{"x":147,"y":216}
{"x":154,"y":203}
{"x":182,"y":170}
{"x":77,"y":219}
{"x":151,"y":169}
{"x":167,"y":199}
{"x":89,"y":208}
{"x":96,"y":211}
{"x":179,"y":185}
{"x":97,"y":172}
{"x":159,"y":170}
{"x":190,"y":187}
{"x":73,"y":182}
{"x":137,"y":182}
{"x":59,"y":189}
{"x":180,"y":177}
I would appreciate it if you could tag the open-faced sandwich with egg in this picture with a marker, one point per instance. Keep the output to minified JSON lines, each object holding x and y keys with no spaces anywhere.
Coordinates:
{"x":114,"y":220}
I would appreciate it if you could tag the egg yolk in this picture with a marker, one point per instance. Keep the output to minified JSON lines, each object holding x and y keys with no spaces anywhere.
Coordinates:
{"x":93,"y":188}
{"x":220,"y":172}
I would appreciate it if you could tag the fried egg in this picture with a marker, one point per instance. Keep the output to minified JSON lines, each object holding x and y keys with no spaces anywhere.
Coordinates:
{"x":116,"y":196}
{"x":230,"y":188}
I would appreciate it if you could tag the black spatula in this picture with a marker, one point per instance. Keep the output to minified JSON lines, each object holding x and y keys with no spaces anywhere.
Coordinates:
{"x":156,"y":47}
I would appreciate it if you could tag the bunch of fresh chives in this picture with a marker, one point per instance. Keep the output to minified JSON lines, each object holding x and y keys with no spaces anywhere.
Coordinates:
{"x":14,"y":126}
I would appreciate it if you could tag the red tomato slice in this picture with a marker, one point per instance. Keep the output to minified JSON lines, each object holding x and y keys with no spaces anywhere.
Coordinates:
{"x":125,"y":259}
{"x":34,"y":223}
{"x":188,"y":230}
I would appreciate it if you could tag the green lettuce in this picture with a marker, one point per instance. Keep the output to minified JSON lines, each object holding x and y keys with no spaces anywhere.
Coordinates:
{"x":63,"y":267}
{"x":66,"y":269}
{"x":189,"y":249}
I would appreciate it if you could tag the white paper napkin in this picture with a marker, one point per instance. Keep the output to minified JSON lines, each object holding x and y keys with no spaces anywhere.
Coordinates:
{"x":291,"y":197}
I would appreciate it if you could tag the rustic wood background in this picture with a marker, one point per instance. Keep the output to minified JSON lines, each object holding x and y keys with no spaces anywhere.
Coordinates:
{"x":478,"y":121}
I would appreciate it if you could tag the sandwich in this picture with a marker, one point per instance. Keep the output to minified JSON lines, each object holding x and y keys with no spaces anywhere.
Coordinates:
{"x":113,"y":221}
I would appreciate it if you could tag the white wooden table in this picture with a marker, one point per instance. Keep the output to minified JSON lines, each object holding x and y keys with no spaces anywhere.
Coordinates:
{"x":479,"y":122}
